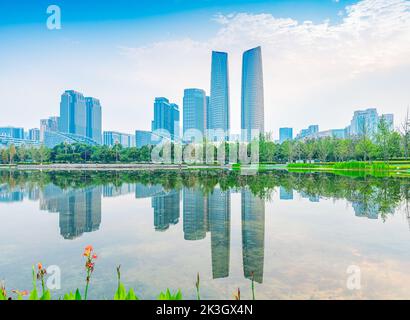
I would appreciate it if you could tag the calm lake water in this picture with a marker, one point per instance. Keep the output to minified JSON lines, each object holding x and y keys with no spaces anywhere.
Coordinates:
{"x":297,"y":233}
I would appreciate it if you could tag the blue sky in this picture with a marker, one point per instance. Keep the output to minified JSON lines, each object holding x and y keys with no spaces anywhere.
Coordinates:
{"x":77,"y":11}
{"x":320,"y":57}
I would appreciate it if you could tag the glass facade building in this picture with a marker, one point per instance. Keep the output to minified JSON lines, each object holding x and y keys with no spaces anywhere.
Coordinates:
{"x":218,"y":107}
{"x":12,"y":132}
{"x":51,"y":124}
{"x":194,"y":110}
{"x":73,"y":113}
{"x":285,"y":134}
{"x":94,"y":119}
{"x":80,"y":116}
{"x":252,"y":103}
{"x":111,"y":138}
{"x":34,"y":134}
{"x":166,"y":117}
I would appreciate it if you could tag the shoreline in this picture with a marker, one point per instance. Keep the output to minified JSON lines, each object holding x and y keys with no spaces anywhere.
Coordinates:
{"x":111,"y":167}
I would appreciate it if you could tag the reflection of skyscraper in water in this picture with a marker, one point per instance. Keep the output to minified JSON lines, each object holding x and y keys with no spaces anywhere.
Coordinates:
{"x":111,"y":190}
{"x":366,"y":205}
{"x":311,"y":197}
{"x":18,"y":193}
{"x":365,"y":210}
{"x":195,"y":211}
{"x":79,"y":209}
{"x":166,"y":209}
{"x":219,"y":204}
{"x":253,"y":235}
{"x":285,"y":194}
{"x":147,"y":191}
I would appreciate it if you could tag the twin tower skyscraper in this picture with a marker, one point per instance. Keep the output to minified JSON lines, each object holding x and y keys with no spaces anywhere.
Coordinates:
{"x":252,"y":98}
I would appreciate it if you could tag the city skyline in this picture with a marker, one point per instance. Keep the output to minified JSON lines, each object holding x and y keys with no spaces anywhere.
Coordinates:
{"x":310,"y":72}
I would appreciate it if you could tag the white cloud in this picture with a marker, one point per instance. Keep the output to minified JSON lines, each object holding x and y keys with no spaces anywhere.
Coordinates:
{"x":313,"y":72}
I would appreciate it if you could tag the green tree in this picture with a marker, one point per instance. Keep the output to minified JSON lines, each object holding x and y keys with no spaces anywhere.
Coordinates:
{"x":12,"y":153}
{"x":365,"y":149}
{"x":383,"y":138}
{"x":342,"y":149}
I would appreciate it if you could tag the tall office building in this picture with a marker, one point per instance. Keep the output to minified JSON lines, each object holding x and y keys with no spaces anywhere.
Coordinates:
{"x":80,"y":116}
{"x":94,"y":119}
{"x":73,"y":113}
{"x":194,"y":110}
{"x":218,"y":107}
{"x":166,"y":117}
{"x":252,"y":112}
{"x":253,"y":235}
{"x":34,"y":134}
{"x":364,"y":122}
{"x":285,"y":134}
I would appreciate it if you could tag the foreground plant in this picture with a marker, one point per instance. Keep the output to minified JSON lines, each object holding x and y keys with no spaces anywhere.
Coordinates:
{"x":89,"y":266}
{"x":121,"y":293}
{"x":197,"y":287}
{"x":169,"y":296}
{"x":39,"y":276}
{"x":3,"y":292}
{"x":237,"y":294}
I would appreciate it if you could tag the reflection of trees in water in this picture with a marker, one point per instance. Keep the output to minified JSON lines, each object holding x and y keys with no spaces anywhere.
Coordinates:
{"x":367,"y":194}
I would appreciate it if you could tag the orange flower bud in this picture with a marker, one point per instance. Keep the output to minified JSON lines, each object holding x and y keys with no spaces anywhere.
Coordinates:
{"x":39,"y":266}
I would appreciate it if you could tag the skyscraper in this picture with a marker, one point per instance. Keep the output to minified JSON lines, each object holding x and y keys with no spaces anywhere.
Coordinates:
{"x":80,"y":116}
{"x":94,"y":119}
{"x":166,"y":117}
{"x":218,"y":110}
{"x":194,"y":111}
{"x":73,"y":113}
{"x":252,"y":110}
{"x":285,"y":134}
